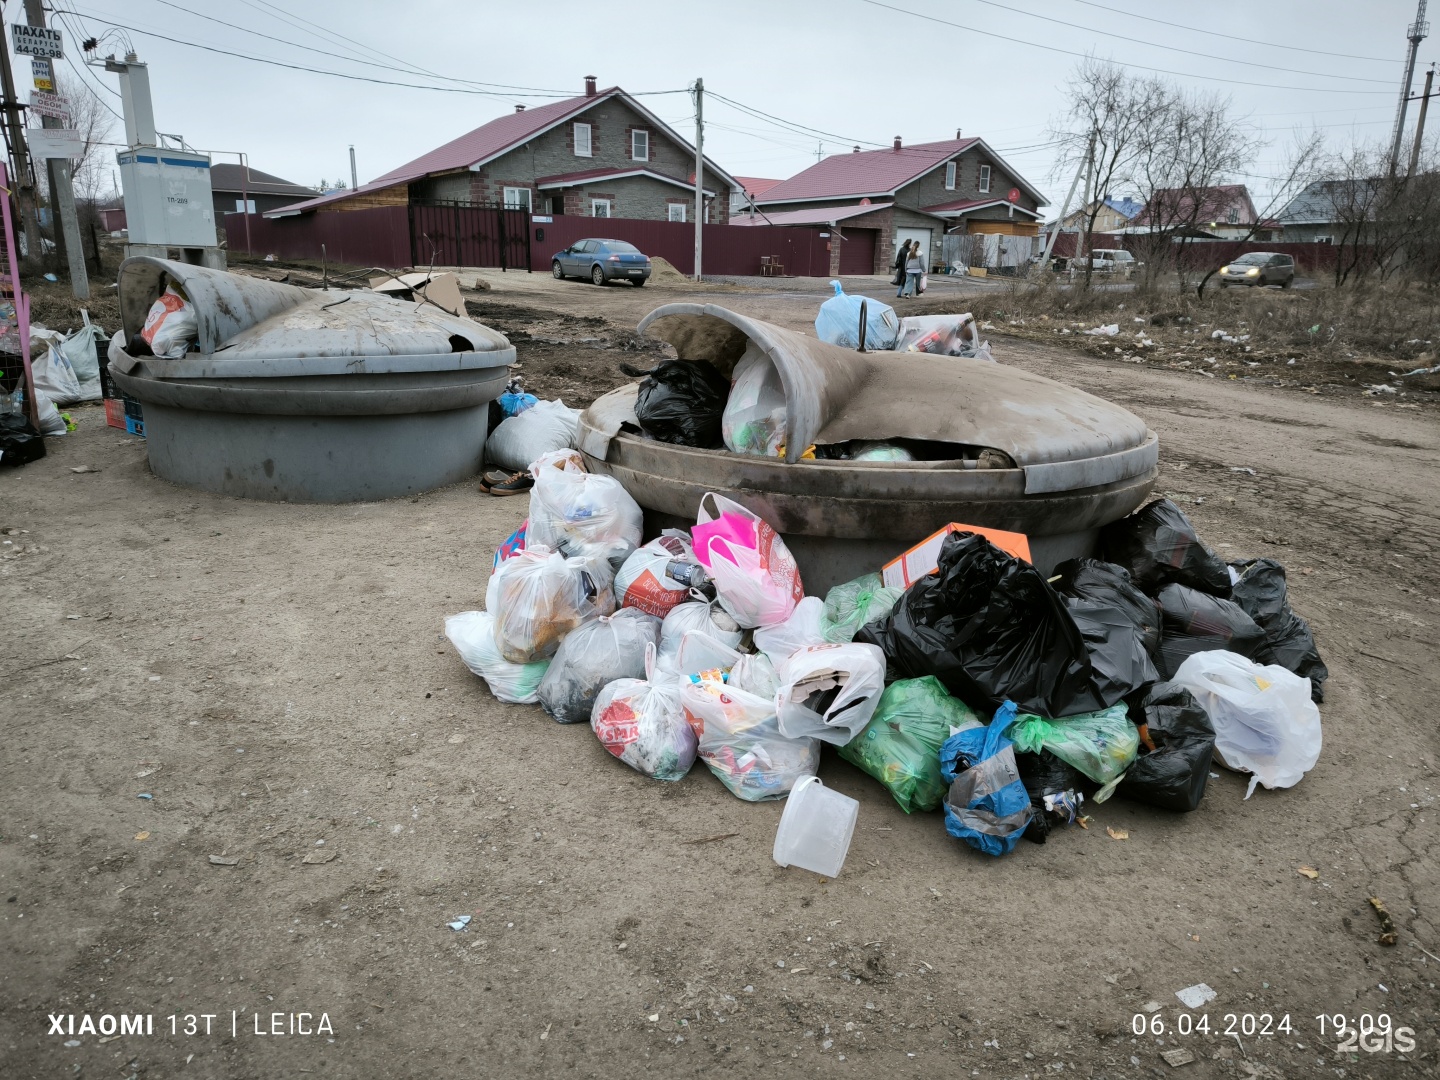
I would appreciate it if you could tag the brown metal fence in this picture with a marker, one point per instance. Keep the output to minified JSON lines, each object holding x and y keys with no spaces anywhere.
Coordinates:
{"x":455,"y":234}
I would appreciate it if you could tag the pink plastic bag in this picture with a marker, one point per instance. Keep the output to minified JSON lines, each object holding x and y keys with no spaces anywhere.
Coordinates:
{"x":754,"y":573}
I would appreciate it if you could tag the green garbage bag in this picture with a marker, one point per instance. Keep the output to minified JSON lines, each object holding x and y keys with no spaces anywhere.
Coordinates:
{"x":900,"y":746}
{"x":850,"y":606}
{"x":1101,"y":745}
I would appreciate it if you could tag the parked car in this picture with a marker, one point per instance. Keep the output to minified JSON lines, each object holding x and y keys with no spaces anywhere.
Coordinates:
{"x":1108,"y":261}
{"x":1259,"y":268}
{"x":602,"y":261}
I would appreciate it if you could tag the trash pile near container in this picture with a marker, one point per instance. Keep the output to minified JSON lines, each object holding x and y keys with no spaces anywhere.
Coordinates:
{"x":1009,"y":700}
{"x":861,"y":322}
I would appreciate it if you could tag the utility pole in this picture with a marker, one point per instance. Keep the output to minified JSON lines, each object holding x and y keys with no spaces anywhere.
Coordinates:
{"x":1065,"y":206}
{"x":1416,"y":34}
{"x":354,"y":179}
{"x":700,"y":170}
{"x":19,"y":156}
{"x":1420,"y":123}
{"x":62,"y":193}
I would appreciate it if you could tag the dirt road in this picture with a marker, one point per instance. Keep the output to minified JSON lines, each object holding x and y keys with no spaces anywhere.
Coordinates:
{"x":326,"y":787}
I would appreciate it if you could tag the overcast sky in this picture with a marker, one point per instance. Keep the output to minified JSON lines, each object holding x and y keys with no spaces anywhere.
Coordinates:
{"x":861,"y":72}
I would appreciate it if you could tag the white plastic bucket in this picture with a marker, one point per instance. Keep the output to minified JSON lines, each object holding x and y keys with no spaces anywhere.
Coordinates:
{"x":816,"y":828}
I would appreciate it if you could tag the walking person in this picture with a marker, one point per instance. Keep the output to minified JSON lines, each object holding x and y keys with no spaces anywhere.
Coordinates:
{"x":901,"y":254}
{"x":914,"y":267}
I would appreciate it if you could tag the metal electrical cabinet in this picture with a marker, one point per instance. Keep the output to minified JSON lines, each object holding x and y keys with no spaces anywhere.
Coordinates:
{"x":167,"y":197}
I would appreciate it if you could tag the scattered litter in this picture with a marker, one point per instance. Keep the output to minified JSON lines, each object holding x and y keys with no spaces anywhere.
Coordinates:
{"x":1177,"y":1057}
{"x":1308,"y":871}
{"x":316,"y":858}
{"x":145,"y":795}
{"x":1117,"y":834}
{"x":459,"y":923}
{"x":222,"y":860}
{"x":1387,"y":924}
{"x":815,"y":830}
{"x":84,"y":469}
{"x":1244,"y":469}
{"x":142,"y":836}
{"x":1192,"y":997}
{"x":711,"y":839}
{"x":1104,"y":331}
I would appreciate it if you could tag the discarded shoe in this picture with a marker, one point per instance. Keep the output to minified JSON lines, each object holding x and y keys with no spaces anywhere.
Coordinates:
{"x":514,"y":484}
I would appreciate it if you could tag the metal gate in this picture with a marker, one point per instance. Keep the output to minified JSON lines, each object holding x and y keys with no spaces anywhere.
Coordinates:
{"x":459,"y":234}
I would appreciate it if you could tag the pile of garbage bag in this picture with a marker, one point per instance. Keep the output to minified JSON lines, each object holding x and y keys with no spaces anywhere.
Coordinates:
{"x":1012,"y":702}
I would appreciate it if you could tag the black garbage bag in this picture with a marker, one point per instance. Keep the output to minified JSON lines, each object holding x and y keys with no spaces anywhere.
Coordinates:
{"x":1120,"y":625}
{"x":1045,"y":774}
{"x":680,"y":402}
{"x":990,"y":627}
{"x":19,"y":441}
{"x":1173,"y":775}
{"x":1262,"y":593}
{"x":1193,"y":621}
{"x":1158,"y":545}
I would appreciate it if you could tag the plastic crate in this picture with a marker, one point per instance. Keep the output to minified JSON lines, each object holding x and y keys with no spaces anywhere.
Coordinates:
{"x":115,"y":413}
{"x":135,"y":426}
{"x":108,"y":389}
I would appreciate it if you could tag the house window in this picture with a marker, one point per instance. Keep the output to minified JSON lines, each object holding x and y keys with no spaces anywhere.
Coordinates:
{"x":677,"y":211}
{"x":599,"y":207}
{"x":582,"y":140}
{"x":639,"y":146}
{"x":950,"y":176}
{"x":517,"y":198}
{"x":246,"y":206}
{"x":984,"y":179}
{"x":1324,"y":240}
{"x":1234,"y":216}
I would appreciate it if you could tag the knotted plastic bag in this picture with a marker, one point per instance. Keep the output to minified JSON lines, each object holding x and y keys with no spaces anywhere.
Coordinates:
{"x":681,"y":402}
{"x":576,"y":512}
{"x":473,"y":635}
{"x":1158,"y":545}
{"x":987,"y":805}
{"x":170,"y":325}
{"x":698,"y":614}
{"x":1177,"y":742}
{"x":1193,"y":621}
{"x":802,"y":628}
{"x":851,"y":605}
{"x":829,"y":692}
{"x":838,"y":321}
{"x":642,"y":722}
{"x":755,"y":575}
{"x":1260,"y":590}
{"x":591,"y":656}
{"x":540,"y":596}
{"x":741,"y":743}
{"x":754,"y":418}
{"x":1101,"y":744}
{"x":659,"y":575}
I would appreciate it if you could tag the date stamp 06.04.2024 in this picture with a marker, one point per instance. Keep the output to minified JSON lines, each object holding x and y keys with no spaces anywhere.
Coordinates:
{"x":1361,"y":1033}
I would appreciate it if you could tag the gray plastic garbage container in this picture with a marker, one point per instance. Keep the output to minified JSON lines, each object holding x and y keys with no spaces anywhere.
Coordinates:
{"x":308,"y":395}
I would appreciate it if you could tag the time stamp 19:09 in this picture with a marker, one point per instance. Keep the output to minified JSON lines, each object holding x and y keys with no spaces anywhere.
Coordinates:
{"x":1371,"y":1033}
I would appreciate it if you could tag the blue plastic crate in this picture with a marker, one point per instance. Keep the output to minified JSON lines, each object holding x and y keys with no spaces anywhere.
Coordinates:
{"x":135,"y":426}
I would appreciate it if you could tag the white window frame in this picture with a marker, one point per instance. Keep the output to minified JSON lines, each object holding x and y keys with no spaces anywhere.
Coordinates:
{"x":1324,"y":239}
{"x":950,"y":170}
{"x":245,"y":206}
{"x":635,"y":134}
{"x":595,"y":205}
{"x":984,"y":179}
{"x":675,"y":208}
{"x":1233,"y":215}
{"x":517,"y":203}
{"x":589,"y":150}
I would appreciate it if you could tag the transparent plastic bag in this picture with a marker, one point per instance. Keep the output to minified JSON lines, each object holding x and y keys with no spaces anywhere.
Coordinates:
{"x":1102,"y":745}
{"x":851,"y":605}
{"x":593,"y":655}
{"x":641,"y":722}
{"x":755,"y":575}
{"x":829,"y":692}
{"x":522,"y":439}
{"x":944,"y":335}
{"x":576,"y":512}
{"x":1265,"y":722}
{"x":701,"y":652}
{"x":838,"y":321}
{"x":695,"y":614}
{"x":540,"y":596}
{"x":741,"y":743}
{"x":170,"y":326}
{"x":879,"y":451}
{"x":660,"y":574}
{"x":802,"y":628}
{"x":755,"y":674}
{"x":754,"y":418}
{"x":473,"y":635}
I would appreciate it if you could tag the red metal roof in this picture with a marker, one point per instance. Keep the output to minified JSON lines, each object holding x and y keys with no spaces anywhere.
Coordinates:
{"x":755,"y":186}
{"x":873,"y":172}
{"x":824,"y":215}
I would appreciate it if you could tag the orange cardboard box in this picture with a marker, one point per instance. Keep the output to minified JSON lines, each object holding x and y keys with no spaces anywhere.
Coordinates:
{"x":904,"y":570}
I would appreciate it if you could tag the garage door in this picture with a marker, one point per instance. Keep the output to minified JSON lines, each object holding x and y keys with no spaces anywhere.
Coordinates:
{"x":857,"y":251}
{"x":923,"y":235}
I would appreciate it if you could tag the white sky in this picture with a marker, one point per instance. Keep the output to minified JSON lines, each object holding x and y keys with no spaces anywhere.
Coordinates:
{"x":861,"y":72}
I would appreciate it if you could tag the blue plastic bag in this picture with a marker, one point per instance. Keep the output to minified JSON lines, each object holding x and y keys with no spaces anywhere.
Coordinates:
{"x":987,"y":806}
{"x":514,"y":400}
{"x":839,"y":321}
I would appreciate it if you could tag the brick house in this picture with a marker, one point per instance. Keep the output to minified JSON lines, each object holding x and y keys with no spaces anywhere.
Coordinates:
{"x":233,"y":186}
{"x":871,"y":201}
{"x":602,"y":154}
{"x":1224,"y":211}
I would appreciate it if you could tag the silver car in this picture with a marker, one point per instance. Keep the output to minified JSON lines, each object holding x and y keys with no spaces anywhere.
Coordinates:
{"x":1259,"y":268}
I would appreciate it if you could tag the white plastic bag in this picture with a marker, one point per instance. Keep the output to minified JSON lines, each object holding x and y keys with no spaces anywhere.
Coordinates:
{"x":754,"y":573}
{"x":755,"y":674}
{"x":802,"y":628}
{"x":829,"y":692}
{"x":520,"y":440}
{"x":740,"y":741}
{"x":642,"y":722}
{"x":696,"y":614}
{"x":473,"y":635}
{"x":645,"y":580}
{"x":540,"y":596}
{"x":56,"y":379}
{"x":591,"y":656}
{"x":79,"y":349}
{"x":839,"y":321}
{"x":580,"y":513}
{"x":754,"y":418}
{"x":171,"y":327}
{"x":51,"y":422}
{"x":701,"y":652}
{"x":1265,"y":722}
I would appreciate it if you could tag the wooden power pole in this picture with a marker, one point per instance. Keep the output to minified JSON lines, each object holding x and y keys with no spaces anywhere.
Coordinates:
{"x":20,"y":174}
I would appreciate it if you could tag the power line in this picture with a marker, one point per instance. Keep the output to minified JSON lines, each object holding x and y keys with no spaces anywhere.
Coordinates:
{"x":1176,"y":48}
{"x":1117,"y":63}
{"x":1233,"y":37}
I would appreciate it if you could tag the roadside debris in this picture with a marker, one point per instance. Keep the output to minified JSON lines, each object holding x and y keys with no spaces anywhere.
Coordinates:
{"x":1192,"y":997}
{"x":1387,"y":924}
